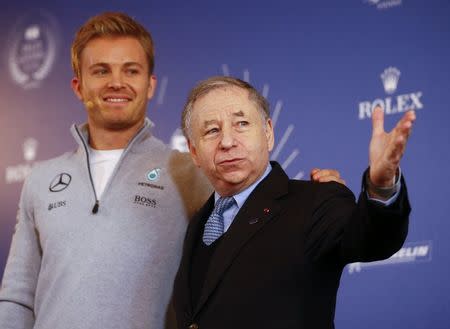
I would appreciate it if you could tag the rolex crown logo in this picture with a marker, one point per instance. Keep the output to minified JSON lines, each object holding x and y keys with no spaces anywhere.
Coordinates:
{"x":390,"y":78}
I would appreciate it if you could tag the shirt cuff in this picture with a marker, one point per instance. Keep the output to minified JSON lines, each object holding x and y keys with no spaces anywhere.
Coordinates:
{"x":393,"y":191}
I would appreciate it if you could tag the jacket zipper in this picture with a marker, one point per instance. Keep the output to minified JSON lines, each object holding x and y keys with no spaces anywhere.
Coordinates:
{"x":97,"y":202}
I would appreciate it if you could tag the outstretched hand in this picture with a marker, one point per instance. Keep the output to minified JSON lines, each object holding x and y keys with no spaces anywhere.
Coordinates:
{"x":386,"y":149}
{"x":326,"y":175}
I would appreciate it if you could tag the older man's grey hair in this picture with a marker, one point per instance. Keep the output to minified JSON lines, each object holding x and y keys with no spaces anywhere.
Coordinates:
{"x":217,"y":82}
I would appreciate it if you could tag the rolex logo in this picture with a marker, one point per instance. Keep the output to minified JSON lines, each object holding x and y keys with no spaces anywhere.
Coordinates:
{"x":390,"y":78}
{"x":391,"y":104}
{"x":18,"y":173}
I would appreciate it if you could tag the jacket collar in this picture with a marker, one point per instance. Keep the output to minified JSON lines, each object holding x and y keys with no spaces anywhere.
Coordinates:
{"x":81,"y":134}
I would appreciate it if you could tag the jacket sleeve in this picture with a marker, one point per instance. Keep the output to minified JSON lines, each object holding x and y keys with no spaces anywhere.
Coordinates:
{"x":17,"y":292}
{"x":356,"y":232}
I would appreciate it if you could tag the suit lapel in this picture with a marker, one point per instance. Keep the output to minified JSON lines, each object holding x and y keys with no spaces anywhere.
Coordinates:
{"x":261,"y":207}
{"x":192,"y":235}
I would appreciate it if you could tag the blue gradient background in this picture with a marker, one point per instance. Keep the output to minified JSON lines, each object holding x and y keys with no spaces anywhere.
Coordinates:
{"x":320,"y":59}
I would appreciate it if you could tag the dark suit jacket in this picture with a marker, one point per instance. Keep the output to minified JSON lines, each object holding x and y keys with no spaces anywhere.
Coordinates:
{"x":279,"y":264}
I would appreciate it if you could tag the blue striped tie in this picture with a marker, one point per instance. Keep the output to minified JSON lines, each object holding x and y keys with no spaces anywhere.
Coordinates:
{"x":214,"y":224}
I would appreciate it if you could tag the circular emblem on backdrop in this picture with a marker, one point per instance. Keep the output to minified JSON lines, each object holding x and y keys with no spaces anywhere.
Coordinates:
{"x":60,"y":182}
{"x":32,"y":48}
{"x":153,"y":175}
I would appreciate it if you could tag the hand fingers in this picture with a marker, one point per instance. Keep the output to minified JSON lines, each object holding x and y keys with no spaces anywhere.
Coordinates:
{"x":326,"y":175}
{"x":331,"y":179}
{"x":313,"y":172}
{"x":407,"y":121}
{"x":397,"y":150}
{"x":377,"y":121}
{"x":409,"y":116}
{"x":329,"y":172}
{"x":403,"y":128}
{"x":318,"y":173}
{"x":400,"y":136}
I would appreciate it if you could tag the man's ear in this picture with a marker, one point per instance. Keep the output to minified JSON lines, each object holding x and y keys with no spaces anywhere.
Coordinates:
{"x":76,"y":87}
{"x":193,"y":152}
{"x":151,"y":86}
{"x":269,"y":134}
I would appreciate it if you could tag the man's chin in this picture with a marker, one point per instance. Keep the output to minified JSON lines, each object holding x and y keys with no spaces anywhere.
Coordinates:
{"x":121,"y":124}
{"x":232,"y":183}
{"x":232,"y":175}
{"x":118,"y":125}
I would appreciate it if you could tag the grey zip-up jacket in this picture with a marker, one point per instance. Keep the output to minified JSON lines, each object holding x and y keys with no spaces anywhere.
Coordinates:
{"x":77,"y":262}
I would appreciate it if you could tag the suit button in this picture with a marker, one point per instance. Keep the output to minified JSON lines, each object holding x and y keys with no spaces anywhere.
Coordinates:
{"x":193,"y":326}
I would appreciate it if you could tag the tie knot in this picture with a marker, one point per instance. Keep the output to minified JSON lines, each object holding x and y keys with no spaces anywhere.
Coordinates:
{"x":222,"y":204}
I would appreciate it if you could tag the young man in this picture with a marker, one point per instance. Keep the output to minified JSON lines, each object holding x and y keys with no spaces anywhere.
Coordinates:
{"x":266,"y":251}
{"x":99,"y":231}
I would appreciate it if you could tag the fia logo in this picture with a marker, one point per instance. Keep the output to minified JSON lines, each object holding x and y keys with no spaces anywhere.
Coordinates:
{"x":390,"y":78}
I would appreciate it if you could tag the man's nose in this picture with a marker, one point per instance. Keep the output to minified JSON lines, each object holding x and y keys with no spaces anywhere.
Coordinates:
{"x":116,"y":81}
{"x":228,"y":139}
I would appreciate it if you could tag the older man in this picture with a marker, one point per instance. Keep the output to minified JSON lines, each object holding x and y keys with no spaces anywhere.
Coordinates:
{"x":266,"y":251}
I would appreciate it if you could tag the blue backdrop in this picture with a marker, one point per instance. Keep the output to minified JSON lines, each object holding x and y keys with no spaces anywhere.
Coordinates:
{"x":322,"y":64}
